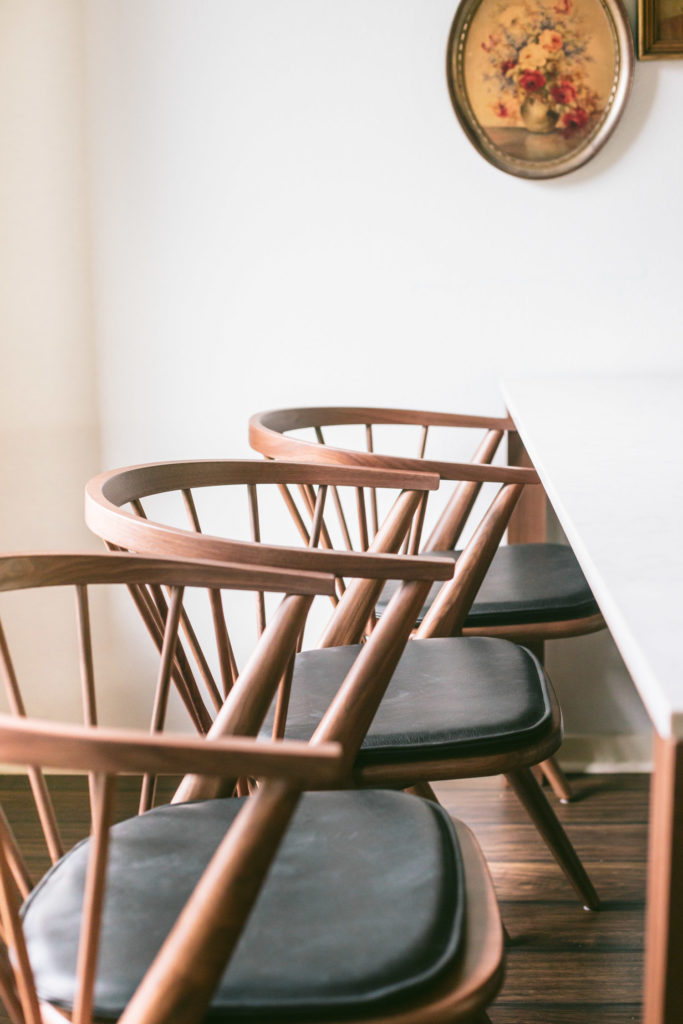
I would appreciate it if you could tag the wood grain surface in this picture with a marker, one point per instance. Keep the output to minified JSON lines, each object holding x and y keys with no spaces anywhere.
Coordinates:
{"x":564,"y":964}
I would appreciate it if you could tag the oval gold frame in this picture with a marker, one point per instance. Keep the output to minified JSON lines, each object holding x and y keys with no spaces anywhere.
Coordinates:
{"x":624,"y":59}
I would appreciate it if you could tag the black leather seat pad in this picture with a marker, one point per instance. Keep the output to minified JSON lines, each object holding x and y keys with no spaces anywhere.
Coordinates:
{"x":525,"y":583}
{"x":363,"y":904}
{"x":448,"y":697}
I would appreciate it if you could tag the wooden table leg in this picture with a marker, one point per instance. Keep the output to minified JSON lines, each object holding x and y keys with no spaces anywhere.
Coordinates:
{"x":528,"y":525}
{"x":528,"y":522}
{"x":663,"y":999}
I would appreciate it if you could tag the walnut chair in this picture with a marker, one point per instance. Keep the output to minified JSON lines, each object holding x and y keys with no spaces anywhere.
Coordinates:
{"x":456,"y":707}
{"x":266,"y":907}
{"x":533,"y":592}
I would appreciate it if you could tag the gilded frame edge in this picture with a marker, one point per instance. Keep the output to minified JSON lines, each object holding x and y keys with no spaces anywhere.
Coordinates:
{"x":649,"y":47}
{"x":626,"y":58}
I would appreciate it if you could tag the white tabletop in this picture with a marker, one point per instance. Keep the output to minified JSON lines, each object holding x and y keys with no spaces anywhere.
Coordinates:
{"x":609,"y":451}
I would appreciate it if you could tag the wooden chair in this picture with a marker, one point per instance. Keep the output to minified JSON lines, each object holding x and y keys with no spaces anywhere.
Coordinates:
{"x":533,"y":592}
{"x":456,"y":707}
{"x":260,"y":908}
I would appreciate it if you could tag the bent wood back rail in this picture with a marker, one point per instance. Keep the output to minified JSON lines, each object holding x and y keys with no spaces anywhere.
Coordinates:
{"x":360,"y":579}
{"x":249,"y":485}
{"x":180,"y":981}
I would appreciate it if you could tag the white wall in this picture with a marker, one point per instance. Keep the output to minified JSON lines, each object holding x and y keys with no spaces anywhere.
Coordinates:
{"x":49,"y":432}
{"x":48,"y":413}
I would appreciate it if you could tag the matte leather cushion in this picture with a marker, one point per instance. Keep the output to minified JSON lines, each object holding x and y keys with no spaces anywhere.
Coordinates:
{"x":448,"y":697}
{"x":525,"y":583}
{"x":363,"y":903}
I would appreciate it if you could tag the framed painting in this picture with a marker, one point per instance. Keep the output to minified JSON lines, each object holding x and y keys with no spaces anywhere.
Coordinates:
{"x":539,"y":85}
{"x":660,"y":29}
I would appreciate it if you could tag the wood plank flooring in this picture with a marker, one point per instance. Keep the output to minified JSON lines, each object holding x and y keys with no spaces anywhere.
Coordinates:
{"x":564,"y":964}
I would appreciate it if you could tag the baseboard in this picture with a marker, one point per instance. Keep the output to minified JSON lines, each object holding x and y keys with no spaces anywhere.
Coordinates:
{"x":598,"y":753}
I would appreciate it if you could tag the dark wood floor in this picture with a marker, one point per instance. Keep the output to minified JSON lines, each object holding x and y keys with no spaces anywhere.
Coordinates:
{"x":564,"y":965}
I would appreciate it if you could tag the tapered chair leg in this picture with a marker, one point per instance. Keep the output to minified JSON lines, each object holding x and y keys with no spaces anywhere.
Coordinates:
{"x":424,"y":790}
{"x":558,"y":780}
{"x":541,"y":813}
{"x":550,"y":768}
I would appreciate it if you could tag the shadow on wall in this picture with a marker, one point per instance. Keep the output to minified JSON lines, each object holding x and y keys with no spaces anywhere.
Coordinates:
{"x":595,"y":689}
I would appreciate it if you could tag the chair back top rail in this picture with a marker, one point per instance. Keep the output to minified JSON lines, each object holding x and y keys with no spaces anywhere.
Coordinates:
{"x":280,"y":420}
{"x":106,"y":493}
{"x":267,"y":435}
{"x":123,"y":485}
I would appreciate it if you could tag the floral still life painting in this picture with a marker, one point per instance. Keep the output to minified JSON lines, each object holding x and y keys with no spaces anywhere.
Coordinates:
{"x":539,"y":84}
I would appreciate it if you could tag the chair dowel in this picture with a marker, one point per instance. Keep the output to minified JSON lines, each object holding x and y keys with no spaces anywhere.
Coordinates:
{"x":9,"y":913}
{"x":558,"y":780}
{"x":93,"y":899}
{"x":370,"y":446}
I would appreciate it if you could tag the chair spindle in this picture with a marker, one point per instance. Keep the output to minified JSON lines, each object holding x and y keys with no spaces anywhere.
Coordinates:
{"x":93,"y":900}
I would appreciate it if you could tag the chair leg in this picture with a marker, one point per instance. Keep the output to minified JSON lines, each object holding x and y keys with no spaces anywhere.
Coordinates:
{"x":424,"y":790}
{"x":541,"y":813}
{"x":550,"y":768}
{"x":558,"y":780}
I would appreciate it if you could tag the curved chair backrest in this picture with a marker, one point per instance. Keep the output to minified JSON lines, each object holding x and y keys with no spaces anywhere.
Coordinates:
{"x":209,"y":927}
{"x":269,"y":433}
{"x":299,"y":434}
{"x":107,"y":494}
{"x":115,"y":512}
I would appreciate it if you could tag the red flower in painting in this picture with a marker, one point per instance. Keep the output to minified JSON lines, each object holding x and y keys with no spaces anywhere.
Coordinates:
{"x":563,"y":6}
{"x":531,"y":81}
{"x":507,"y":65}
{"x":501,"y":110}
{"x":574,"y":119}
{"x":564,"y":92}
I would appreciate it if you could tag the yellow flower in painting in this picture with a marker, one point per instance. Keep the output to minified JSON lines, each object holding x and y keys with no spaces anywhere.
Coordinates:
{"x":533,"y":56}
{"x":511,"y":15}
{"x":550,"y":40}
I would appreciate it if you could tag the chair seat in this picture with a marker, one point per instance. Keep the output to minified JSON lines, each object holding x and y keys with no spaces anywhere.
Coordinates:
{"x":343,"y":919}
{"x":525,"y":583}
{"x":449,"y":697}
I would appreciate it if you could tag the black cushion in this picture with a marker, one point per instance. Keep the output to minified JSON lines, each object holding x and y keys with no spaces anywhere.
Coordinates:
{"x":448,"y":697}
{"x":525,"y":583}
{"x":363,"y":904}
